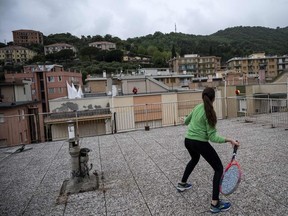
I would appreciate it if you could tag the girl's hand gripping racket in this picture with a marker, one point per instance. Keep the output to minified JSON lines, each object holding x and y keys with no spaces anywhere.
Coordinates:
{"x":231,"y":176}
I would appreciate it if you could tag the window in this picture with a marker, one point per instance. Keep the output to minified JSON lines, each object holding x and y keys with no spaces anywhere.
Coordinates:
{"x":50,"y":90}
{"x":50,"y":79}
{"x":60,"y":78}
{"x":242,"y":105}
{"x":2,"y":119}
{"x":60,"y":90}
{"x":24,"y":90}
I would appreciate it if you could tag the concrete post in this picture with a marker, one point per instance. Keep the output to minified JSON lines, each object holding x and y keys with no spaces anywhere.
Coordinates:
{"x":74,"y":150}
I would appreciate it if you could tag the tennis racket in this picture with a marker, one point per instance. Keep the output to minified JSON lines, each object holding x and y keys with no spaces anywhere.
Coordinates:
{"x":231,"y":176}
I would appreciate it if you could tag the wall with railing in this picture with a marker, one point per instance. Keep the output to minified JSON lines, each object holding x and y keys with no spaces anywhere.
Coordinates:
{"x":266,"y":111}
{"x":155,"y":115}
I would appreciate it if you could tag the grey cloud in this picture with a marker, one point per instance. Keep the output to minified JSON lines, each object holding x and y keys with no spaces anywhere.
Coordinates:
{"x":133,"y":18}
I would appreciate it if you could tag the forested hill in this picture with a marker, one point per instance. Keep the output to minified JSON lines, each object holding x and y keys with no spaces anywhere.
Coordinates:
{"x":228,"y":43}
{"x":271,"y":41}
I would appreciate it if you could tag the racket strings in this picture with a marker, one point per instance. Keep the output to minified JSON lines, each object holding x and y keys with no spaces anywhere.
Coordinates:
{"x":230,"y":179}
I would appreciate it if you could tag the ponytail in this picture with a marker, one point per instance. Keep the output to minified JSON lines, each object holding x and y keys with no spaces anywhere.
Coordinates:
{"x":208,"y":97}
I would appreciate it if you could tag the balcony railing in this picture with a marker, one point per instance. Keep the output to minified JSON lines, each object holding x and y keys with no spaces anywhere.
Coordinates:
{"x":99,"y":121}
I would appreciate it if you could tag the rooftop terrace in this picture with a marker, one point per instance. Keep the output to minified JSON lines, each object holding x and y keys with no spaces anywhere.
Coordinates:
{"x":139,"y":171}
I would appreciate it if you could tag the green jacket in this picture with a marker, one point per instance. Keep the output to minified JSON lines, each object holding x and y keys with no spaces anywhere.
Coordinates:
{"x":199,"y":128}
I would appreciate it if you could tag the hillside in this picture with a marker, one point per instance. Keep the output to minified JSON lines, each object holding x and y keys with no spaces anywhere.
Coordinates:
{"x":228,"y":43}
{"x":231,"y":42}
{"x":271,"y":41}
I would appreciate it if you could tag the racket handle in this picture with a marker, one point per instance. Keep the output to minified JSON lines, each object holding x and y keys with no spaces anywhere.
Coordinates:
{"x":235,"y":149}
{"x":234,"y":153}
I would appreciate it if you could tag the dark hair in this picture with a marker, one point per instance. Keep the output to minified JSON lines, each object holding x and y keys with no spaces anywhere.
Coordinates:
{"x":208,"y":96}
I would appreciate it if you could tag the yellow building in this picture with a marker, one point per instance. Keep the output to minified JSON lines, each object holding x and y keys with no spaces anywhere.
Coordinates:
{"x":258,"y":63}
{"x":16,"y":54}
{"x":197,"y":65}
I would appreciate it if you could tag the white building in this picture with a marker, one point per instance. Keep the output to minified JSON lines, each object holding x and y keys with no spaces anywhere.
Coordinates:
{"x":103,"y":45}
{"x":54,"y":48}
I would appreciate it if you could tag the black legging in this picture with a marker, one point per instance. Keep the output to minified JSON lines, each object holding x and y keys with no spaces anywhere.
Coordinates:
{"x":197,"y":148}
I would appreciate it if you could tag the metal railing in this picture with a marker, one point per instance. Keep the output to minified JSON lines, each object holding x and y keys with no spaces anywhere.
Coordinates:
{"x":266,"y":111}
{"x":100,"y":121}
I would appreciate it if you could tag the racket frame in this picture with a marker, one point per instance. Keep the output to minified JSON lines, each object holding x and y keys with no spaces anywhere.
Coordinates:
{"x":233,"y":162}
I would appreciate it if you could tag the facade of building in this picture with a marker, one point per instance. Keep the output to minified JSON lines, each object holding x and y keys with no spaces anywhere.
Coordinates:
{"x":19,"y":90}
{"x":125,"y":85}
{"x":105,"y":115}
{"x":16,"y":54}
{"x":258,"y":65}
{"x":97,"y":85}
{"x":137,"y":58}
{"x":103,"y":45}
{"x":198,"y":66}
{"x":54,"y":48}
{"x":27,"y":37}
{"x":19,"y":119}
{"x":48,"y":81}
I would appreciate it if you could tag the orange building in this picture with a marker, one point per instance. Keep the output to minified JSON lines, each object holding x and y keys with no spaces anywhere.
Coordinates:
{"x":48,"y":81}
{"x":19,"y":120}
{"x":27,"y":37}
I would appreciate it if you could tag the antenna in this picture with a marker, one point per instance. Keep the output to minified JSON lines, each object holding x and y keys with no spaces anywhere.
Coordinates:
{"x":175,"y":28}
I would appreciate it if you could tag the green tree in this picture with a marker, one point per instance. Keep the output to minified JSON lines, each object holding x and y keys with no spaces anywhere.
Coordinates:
{"x":38,"y":58}
{"x":65,"y":54}
{"x":173,"y":52}
{"x":97,"y":38}
{"x":114,"y":55}
{"x":2,"y":45}
{"x":152,"y":49}
{"x":89,"y":51}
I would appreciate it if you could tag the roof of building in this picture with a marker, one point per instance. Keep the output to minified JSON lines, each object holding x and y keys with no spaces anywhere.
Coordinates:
{"x":59,"y":44}
{"x":102,"y":42}
{"x":5,"y":105}
{"x":42,"y":67}
{"x":14,"y":47}
{"x":16,"y":83}
{"x":132,"y":166}
{"x":255,"y":57}
{"x":26,"y":30}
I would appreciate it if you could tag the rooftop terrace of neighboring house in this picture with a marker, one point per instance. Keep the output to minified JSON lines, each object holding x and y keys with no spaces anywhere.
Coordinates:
{"x":139,"y":170}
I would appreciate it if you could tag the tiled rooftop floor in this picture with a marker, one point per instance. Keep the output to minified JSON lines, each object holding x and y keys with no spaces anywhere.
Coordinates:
{"x":139,"y":171}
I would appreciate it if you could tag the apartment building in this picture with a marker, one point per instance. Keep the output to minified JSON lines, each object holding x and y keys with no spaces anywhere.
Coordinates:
{"x":48,"y":81}
{"x":259,"y":65}
{"x":137,"y":58}
{"x":103,"y":45}
{"x":19,"y":120}
{"x":54,"y":48}
{"x":199,"y":66}
{"x":27,"y":37}
{"x":16,"y":54}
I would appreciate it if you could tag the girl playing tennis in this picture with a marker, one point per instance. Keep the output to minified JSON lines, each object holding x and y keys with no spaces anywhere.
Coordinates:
{"x":202,"y":128}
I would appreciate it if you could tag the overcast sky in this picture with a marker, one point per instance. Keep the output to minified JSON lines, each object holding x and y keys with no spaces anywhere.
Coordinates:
{"x":134,"y":18}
